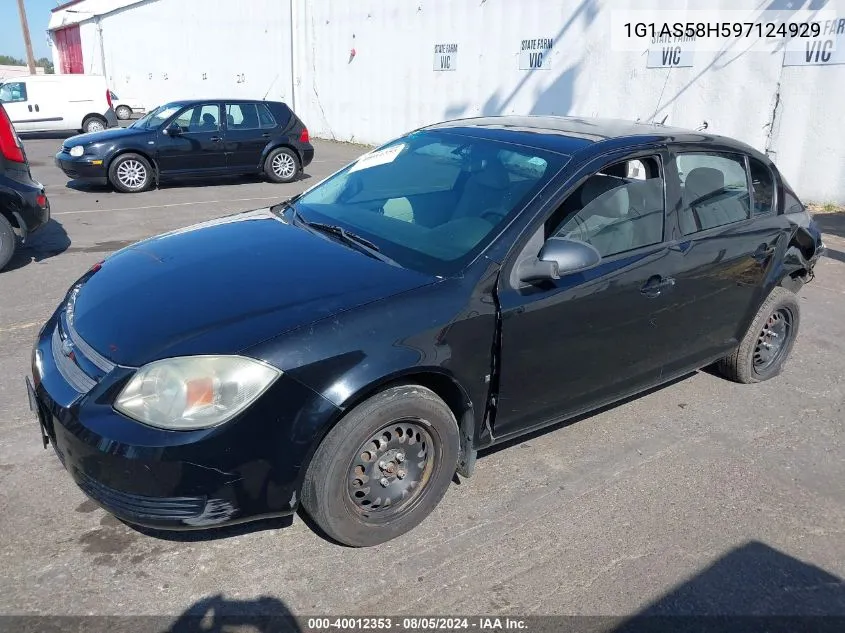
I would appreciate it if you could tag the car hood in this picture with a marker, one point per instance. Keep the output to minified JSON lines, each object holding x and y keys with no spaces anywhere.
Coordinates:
{"x":222,"y":286}
{"x":105,"y":137}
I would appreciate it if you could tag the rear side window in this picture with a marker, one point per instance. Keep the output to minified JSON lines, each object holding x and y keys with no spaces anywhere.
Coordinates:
{"x":763,"y":185}
{"x":242,"y":116}
{"x":265,"y":116}
{"x":13,"y":92}
{"x":715,"y":191}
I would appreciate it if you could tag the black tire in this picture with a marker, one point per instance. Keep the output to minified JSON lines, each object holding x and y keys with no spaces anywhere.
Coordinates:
{"x":124,"y":113}
{"x":282,"y":165}
{"x":754,"y":361}
{"x":336,"y":471}
{"x":130,"y":173}
{"x":94,"y":124}
{"x":8,"y":242}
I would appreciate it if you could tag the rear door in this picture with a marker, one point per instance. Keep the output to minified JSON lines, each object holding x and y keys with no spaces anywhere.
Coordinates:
{"x":248,"y":130}
{"x":725,"y":239}
{"x":198,"y":149}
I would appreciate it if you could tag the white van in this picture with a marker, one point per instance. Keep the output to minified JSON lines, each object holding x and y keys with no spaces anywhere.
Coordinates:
{"x":46,"y":103}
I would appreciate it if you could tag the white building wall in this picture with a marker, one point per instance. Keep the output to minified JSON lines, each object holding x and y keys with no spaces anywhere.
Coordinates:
{"x":389,"y":85}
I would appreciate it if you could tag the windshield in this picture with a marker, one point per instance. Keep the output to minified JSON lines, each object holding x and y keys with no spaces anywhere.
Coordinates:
{"x":153,"y":119}
{"x":431,"y":200}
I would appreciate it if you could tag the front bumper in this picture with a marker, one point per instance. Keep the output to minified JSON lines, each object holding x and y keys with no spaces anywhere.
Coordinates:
{"x":249,"y":468}
{"x":88,"y":168}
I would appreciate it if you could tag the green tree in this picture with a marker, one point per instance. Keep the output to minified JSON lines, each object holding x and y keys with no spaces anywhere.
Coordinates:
{"x":47,"y":65}
{"x":8,"y":60}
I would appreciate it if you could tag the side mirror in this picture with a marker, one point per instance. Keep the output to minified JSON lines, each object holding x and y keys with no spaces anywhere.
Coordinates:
{"x":559,"y":256}
{"x":173,"y":130}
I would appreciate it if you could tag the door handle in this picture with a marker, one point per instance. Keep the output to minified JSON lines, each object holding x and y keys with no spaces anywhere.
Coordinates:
{"x":37,"y":109}
{"x":216,"y":139}
{"x":655,"y":285}
{"x":30,"y":108}
{"x":265,"y":136}
{"x":763,"y":252}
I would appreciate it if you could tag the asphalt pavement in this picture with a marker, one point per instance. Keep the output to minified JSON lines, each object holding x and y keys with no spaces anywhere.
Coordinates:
{"x":701,"y":497}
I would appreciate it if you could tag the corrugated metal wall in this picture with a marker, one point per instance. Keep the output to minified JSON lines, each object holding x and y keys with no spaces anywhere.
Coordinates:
{"x":390,"y":85}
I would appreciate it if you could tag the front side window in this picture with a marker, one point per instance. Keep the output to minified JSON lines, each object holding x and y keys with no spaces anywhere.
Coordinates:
{"x":13,"y":92}
{"x":201,"y":118}
{"x":715,"y":191}
{"x":619,"y":209}
{"x":432,"y":200}
{"x":763,"y":185}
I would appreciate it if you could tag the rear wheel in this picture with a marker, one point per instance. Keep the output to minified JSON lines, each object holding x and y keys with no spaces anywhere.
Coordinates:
{"x":130,"y":173}
{"x":763,"y":351}
{"x":93,"y":124}
{"x":383,"y":468}
{"x":123,"y":112}
{"x":8,"y":242}
{"x":282,"y":165}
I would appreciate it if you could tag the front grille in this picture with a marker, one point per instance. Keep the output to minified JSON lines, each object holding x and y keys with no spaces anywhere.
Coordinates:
{"x":140,"y":506}
{"x":89,"y":352}
{"x":70,"y":371}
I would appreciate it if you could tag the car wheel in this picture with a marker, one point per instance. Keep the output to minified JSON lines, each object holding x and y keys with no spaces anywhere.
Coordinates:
{"x":130,"y":173}
{"x":93,"y":124}
{"x":763,"y":350}
{"x":282,"y":165}
{"x":123,"y":112}
{"x":383,"y":468}
{"x":8,"y":242}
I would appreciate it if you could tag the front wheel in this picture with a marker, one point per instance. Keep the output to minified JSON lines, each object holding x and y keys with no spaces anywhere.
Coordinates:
{"x":130,"y":173}
{"x":383,"y":468}
{"x":764,"y":349}
{"x":282,"y":165}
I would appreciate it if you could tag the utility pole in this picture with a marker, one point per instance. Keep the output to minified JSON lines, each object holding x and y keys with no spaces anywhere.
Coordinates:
{"x":30,"y":59}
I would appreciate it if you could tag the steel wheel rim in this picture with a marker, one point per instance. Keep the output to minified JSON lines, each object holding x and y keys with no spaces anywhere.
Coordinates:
{"x":772,"y":340}
{"x":96,"y":126}
{"x":131,"y":173}
{"x":390,"y":471}
{"x":123,"y":113}
{"x":283,"y":165}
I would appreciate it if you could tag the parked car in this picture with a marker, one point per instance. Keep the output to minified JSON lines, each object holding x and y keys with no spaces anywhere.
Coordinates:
{"x":186,"y":139}
{"x":462,"y":285}
{"x":47,"y":103}
{"x":24,"y":207}
{"x":125,"y":109}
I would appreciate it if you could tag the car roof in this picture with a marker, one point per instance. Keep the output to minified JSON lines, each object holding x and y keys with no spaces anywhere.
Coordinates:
{"x":569,"y":134}
{"x":185,"y":102}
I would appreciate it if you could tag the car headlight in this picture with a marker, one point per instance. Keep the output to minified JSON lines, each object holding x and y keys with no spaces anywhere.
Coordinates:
{"x":77,"y":150}
{"x":194,"y":392}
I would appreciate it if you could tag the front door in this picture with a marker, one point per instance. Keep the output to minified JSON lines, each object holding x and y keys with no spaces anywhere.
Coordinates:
{"x":587,"y":338}
{"x":196,"y":148}
{"x":727,"y":235}
{"x":14,"y":96}
{"x":247,"y":135}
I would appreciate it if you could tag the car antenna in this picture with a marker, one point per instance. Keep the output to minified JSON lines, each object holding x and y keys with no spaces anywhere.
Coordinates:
{"x":264,"y":98}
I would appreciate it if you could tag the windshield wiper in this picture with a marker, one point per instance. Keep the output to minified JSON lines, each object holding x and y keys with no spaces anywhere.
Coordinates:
{"x":361,"y":244}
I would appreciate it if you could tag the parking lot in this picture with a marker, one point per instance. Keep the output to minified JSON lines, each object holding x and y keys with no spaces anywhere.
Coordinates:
{"x":701,"y":497}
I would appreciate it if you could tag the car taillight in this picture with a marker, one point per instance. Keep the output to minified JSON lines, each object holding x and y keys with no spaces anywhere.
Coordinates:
{"x":108,"y":97}
{"x":41,"y":200}
{"x":10,"y":145}
{"x":303,"y":137}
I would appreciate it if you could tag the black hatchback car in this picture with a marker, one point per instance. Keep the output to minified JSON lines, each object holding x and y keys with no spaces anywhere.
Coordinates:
{"x":24,"y":208}
{"x":189,"y":139}
{"x":471,"y":281}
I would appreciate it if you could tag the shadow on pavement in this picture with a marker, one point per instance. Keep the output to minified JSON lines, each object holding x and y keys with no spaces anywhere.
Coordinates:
{"x":49,"y":241}
{"x":831,"y":223}
{"x":217,"y":181}
{"x":216,"y":614}
{"x":751,"y":588}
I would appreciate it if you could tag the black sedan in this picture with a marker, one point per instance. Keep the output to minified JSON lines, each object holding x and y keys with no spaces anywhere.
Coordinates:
{"x":354,"y":347}
{"x":24,"y":208}
{"x":190,"y":139}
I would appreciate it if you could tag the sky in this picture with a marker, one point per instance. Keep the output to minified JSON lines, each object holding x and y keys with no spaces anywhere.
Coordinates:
{"x":38,"y":16}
